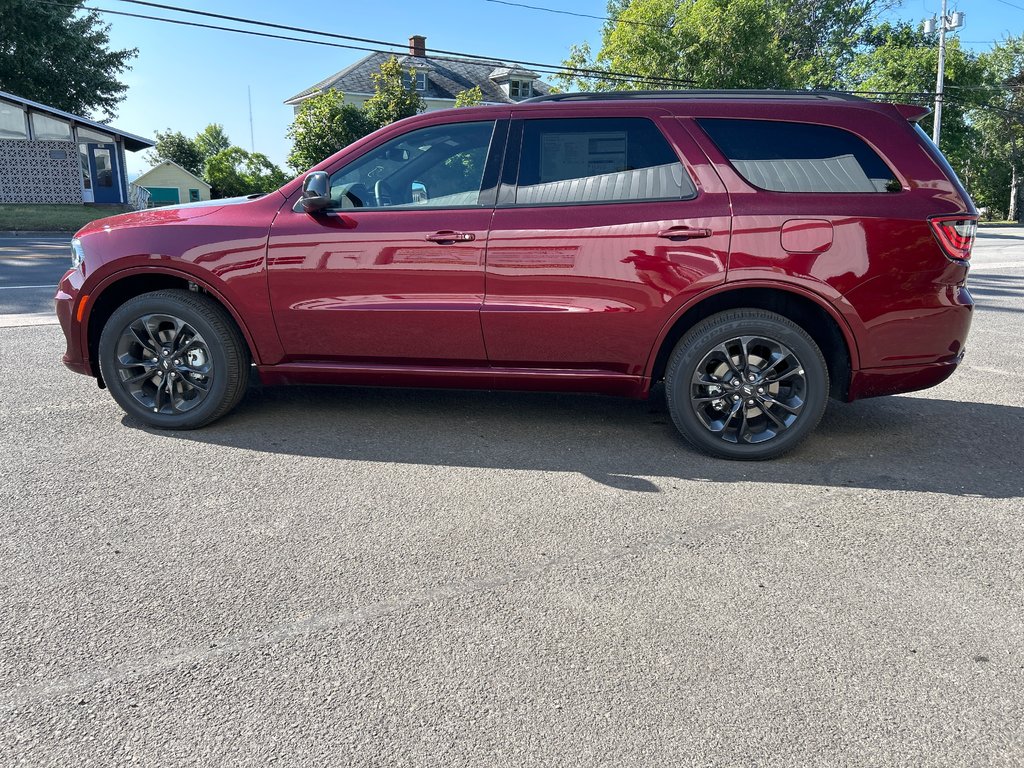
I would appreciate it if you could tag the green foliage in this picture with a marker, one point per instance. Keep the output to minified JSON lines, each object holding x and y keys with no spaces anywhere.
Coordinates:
{"x":900,"y":62}
{"x":999,"y":156}
{"x":724,"y":43}
{"x":59,"y":55}
{"x":230,"y":170}
{"x":471,"y":97}
{"x":824,"y":44}
{"x":212,"y":140}
{"x":322,"y":126}
{"x":395,"y":97}
{"x":324,"y":123}
{"x":233,"y":172}
{"x":178,"y":148}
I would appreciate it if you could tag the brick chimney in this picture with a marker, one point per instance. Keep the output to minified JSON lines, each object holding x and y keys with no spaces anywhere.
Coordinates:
{"x":418,"y":46}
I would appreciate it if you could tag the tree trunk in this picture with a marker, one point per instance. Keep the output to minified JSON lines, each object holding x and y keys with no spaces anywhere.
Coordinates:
{"x":1014,"y":213}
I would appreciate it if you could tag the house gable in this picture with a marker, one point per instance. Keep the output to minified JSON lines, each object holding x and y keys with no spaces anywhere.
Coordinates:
{"x":445,"y":77}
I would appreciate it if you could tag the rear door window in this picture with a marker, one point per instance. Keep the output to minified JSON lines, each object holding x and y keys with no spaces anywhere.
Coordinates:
{"x":576,"y":161}
{"x":799,"y":157}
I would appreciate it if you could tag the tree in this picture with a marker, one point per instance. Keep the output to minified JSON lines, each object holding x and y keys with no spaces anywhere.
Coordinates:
{"x":234,"y":172}
{"x":1000,"y":124}
{"x":59,"y":55}
{"x":471,"y":97}
{"x":324,"y":125}
{"x":178,"y":148}
{"x":395,"y":95}
{"x":899,"y":62}
{"x":723,"y":43}
{"x":211,"y":140}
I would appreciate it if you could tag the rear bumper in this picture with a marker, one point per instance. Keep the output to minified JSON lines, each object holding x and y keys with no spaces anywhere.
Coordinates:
{"x":911,"y":341}
{"x":875,"y":382}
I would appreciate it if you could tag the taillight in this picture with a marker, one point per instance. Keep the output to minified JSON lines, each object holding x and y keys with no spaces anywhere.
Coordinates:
{"x":955,"y":234}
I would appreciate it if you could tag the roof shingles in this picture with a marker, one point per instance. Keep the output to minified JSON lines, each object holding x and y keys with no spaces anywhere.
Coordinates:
{"x":445,"y":78}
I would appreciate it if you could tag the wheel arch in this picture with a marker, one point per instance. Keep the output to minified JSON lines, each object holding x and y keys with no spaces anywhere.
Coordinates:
{"x":118,"y":288}
{"x":816,"y":316}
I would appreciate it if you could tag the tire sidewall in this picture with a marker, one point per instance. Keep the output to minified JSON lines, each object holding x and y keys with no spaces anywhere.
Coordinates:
{"x":146,"y":305}
{"x":718,"y":329}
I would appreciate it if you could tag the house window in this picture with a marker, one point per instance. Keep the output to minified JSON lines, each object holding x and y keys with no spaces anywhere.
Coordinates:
{"x":47,"y":128}
{"x":193,"y":195}
{"x":520,"y":89}
{"x":89,"y":135}
{"x":12,"y":122}
{"x":419,"y":83}
{"x":83,"y":156}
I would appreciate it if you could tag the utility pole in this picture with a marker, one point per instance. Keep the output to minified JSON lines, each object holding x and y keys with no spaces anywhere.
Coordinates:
{"x":252,"y":135}
{"x":947,"y":23}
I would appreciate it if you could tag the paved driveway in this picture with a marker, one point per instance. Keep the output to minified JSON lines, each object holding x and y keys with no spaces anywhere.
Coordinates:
{"x":387,"y":577}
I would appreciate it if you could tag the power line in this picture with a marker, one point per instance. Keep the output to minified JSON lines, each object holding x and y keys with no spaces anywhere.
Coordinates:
{"x":479,"y":59}
{"x":576,"y":14}
{"x":1012,"y":5}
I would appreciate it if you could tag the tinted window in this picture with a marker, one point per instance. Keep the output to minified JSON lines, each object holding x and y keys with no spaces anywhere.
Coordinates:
{"x":437,"y":167}
{"x":599,"y":160}
{"x":796,"y":157}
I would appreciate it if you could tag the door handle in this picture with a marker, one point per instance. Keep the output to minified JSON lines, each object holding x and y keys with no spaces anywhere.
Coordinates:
{"x":682,"y":232}
{"x":447,"y":236}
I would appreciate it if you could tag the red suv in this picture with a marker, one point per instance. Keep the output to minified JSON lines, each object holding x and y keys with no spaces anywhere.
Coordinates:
{"x":756,"y":251}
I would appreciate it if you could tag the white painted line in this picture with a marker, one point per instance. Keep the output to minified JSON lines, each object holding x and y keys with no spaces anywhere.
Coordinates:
{"x":17,"y":321}
{"x":997,"y":371}
{"x":12,"y":287}
{"x":998,"y":265}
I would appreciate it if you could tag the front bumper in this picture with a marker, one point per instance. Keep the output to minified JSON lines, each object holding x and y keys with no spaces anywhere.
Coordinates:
{"x":66,"y":303}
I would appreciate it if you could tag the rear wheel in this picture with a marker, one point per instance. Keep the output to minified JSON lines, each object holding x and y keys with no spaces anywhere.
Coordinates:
{"x":173,"y":359}
{"x":746,"y":384}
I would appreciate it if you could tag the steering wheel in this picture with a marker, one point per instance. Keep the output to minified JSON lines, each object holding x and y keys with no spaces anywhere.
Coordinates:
{"x":357,"y":194}
{"x":382,"y":193}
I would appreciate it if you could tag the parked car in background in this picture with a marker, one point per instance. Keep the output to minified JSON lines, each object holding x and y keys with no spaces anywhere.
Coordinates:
{"x":755,"y":251}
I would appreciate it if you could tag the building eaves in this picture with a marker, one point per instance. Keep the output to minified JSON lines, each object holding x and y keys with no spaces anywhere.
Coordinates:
{"x":132,"y":142}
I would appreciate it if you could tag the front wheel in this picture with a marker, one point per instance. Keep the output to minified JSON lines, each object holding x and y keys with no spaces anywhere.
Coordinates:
{"x":173,"y":359}
{"x":746,"y":384}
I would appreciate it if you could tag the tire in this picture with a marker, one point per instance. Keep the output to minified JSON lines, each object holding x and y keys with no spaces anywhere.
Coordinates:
{"x":174,"y":359}
{"x":733,"y":416}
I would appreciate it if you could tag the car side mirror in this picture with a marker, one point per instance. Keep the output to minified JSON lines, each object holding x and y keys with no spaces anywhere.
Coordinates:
{"x":316,"y":192}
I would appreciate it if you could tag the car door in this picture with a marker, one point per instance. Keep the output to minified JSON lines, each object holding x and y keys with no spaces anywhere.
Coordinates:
{"x":393,"y":271}
{"x":604,"y":226}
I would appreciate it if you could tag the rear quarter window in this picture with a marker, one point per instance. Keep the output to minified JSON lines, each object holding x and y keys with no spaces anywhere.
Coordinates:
{"x":800,"y":157}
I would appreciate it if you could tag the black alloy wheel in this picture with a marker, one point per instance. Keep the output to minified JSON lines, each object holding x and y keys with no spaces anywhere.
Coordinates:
{"x":746,"y":384}
{"x":173,"y":359}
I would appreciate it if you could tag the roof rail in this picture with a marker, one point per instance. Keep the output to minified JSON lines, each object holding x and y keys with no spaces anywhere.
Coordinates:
{"x":696,"y":94}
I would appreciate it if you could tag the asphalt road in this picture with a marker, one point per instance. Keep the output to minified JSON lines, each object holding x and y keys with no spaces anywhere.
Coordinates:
{"x":388,"y":577}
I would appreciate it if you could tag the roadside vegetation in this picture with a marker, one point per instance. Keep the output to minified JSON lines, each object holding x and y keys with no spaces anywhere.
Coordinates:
{"x":53,"y":218}
{"x":230,"y":170}
{"x":324,"y":123}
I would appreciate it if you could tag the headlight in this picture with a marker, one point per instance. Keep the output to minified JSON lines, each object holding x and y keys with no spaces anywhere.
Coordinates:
{"x":77,"y":254}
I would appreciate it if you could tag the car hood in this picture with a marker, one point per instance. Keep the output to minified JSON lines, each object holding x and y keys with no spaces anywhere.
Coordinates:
{"x":165,"y":214}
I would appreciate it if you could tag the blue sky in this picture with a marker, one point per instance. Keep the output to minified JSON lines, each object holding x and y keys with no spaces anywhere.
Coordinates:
{"x":185,"y":78}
